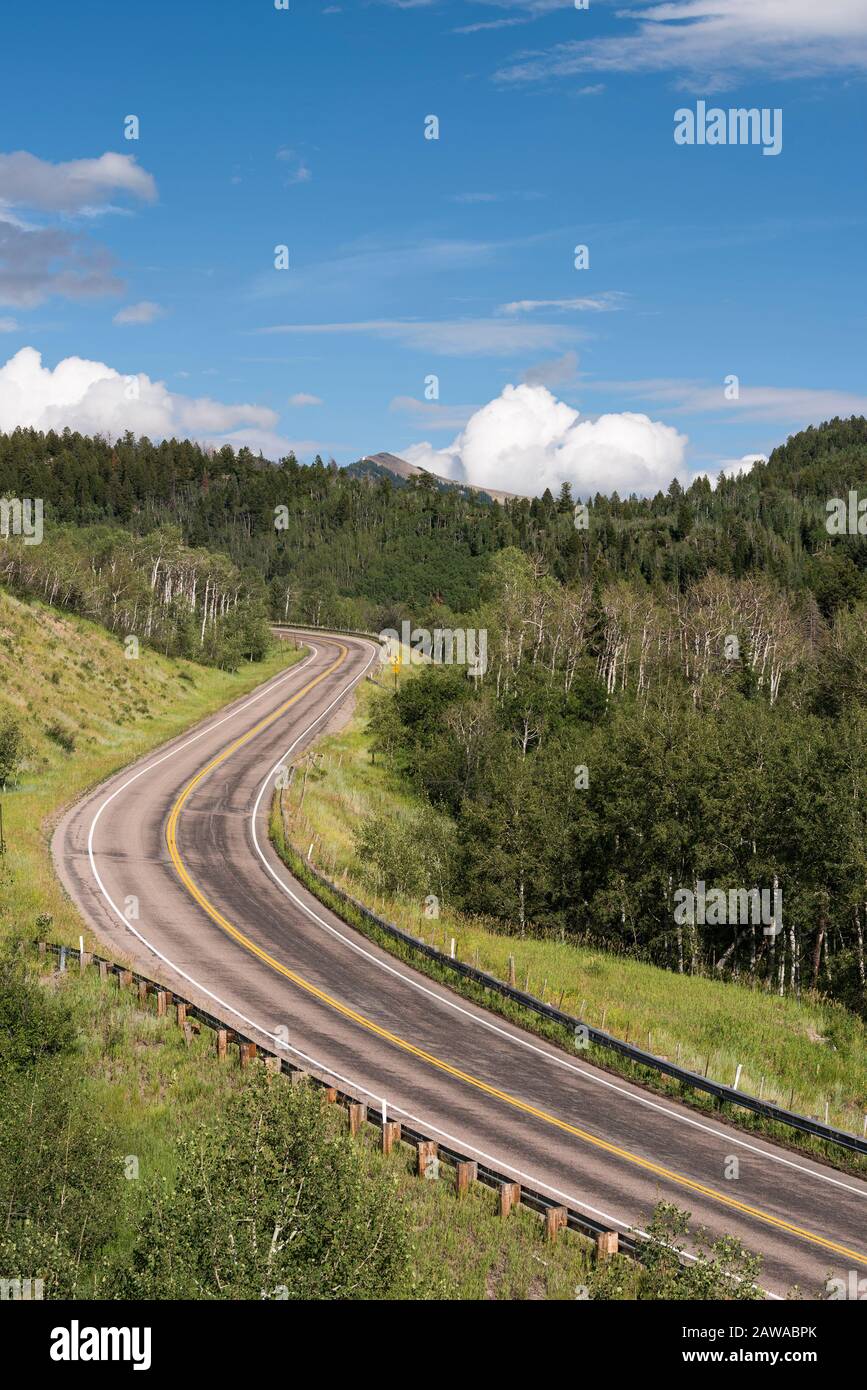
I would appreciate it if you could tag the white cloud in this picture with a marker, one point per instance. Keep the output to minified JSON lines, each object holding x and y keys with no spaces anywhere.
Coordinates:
{"x":80,"y":185}
{"x":302,"y":398}
{"x":8,"y":326}
{"x":450,"y":337}
{"x":526,"y":440}
{"x":732,"y":468}
{"x":713,"y":41}
{"x":143,"y":312}
{"x":605,"y":303}
{"x":95,"y":399}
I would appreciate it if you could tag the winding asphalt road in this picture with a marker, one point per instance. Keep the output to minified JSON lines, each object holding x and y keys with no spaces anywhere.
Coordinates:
{"x":181,"y":838}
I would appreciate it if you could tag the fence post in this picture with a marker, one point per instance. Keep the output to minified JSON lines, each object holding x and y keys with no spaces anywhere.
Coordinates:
{"x":161,"y":1003}
{"x":510,"y":1194}
{"x":466,"y":1171}
{"x":390,"y":1135}
{"x":357,"y":1116}
{"x":331,"y":1095}
{"x":607,"y":1244}
{"x":124,"y":979}
{"x":246,"y":1053}
{"x":222,"y":1043}
{"x":103,"y":970}
{"x":555,"y":1221}
{"x":182,"y":1013}
{"x":427,"y":1156}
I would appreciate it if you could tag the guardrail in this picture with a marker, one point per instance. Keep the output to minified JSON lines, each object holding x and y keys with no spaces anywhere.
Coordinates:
{"x":726,"y":1094}
{"x":556,"y":1215}
{"x":317,"y":627}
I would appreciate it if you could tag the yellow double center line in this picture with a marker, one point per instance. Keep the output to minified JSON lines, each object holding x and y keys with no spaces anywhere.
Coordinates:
{"x":428,"y":1057}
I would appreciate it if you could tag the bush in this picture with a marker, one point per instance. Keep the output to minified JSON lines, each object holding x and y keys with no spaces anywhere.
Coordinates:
{"x":12,"y":751}
{"x":269,"y":1201}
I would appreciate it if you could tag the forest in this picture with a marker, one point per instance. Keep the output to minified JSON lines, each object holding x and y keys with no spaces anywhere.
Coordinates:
{"x":675,"y":694}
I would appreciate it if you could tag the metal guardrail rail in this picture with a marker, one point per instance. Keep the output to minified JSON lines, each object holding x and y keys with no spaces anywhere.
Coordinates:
{"x":578,"y":1221}
{"x":726,"y":1094}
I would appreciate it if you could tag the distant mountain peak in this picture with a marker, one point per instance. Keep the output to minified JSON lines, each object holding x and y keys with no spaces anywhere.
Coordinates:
{"x":394,"y":464}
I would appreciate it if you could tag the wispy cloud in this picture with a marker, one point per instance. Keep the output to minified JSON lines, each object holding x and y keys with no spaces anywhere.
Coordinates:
{"x":432,"y":414}
{"x":37,"y":262}
{"x":713,"y":42}
{"x":143,"y":312}
{"x":608,"y":302}
{"x":449,"y":338}
{"x":303,"y":398}
{"x":792,"y":405}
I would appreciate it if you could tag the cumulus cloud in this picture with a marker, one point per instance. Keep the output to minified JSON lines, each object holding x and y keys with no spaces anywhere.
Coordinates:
{"x":302,"y":398}
{"x":95,"y":399}
{"x":527,"y":440}
{"x":79,"y":185}
{"x":143,"y":312}
{"x":729,"y":468}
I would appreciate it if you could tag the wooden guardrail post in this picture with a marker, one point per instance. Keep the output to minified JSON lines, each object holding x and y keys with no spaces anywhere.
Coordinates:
{"x":162,"y":1000}
{"x":427,"y":1157}
{"x":124,"y":979}
{"x":84,"y":959}
{"x":222,"y":1043}
{"x":510,"y":1195}
{"x":42,"y":947}
{"x":246,"y":1053}
{"x":357,"y":1116}
{"x":555,"y":1222}
{"x":182,"y":1013}
{"x":142,"y":992}
{"x":330,"y":1094}
{"x":272,"y":1063}
{"x":390,"y":1135}
{"x":103,"y":970}
{"x":607,"y":1244}
{"x":466,"y":1171}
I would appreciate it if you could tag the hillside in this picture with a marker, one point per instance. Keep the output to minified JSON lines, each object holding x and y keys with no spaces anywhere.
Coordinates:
{"x":360,"y":551}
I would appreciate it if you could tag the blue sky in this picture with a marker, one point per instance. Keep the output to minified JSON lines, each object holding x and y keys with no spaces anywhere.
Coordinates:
{"x":452,"y":257}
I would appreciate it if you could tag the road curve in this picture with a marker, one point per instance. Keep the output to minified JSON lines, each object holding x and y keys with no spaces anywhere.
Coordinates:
{"x":183,"y":834}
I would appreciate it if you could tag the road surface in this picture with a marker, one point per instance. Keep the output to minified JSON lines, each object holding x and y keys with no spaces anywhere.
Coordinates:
{"x":181,"y":839}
